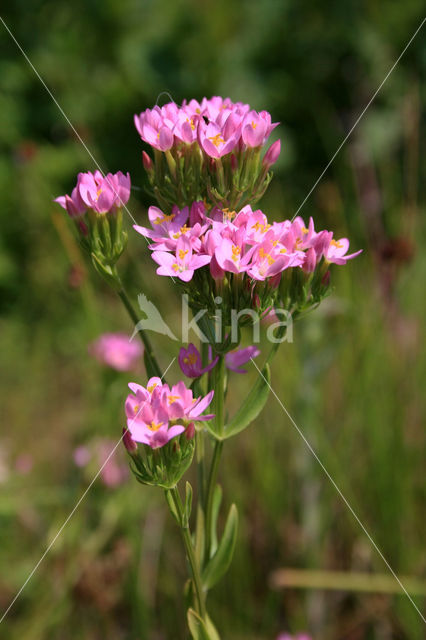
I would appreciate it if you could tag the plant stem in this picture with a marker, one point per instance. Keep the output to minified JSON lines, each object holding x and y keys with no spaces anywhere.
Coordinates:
{"x":219,"y":391}
{"x":195,"y":571}
{"x":210,"y":492}
{"x":148,"y":351}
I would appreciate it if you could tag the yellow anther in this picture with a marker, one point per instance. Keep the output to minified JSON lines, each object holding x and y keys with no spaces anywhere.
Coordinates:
{"x":152,"y":387}
{"x":190,"y":359}
{"x":135,"y":408}
{"x":235,"y":252}
{"x":254,"y":125}
{"x":217,"y":140}
{"x":182,"y":253}
{"x":154,"y":426}
{"x":305,"y":230}
{"x":336,"y":244}
{"x":172,"y":399}
{"x":165,"y":218}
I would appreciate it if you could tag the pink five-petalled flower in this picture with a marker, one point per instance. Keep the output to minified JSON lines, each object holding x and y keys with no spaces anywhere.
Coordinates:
{"x":156,"y":414}
{"x":182,"y":263}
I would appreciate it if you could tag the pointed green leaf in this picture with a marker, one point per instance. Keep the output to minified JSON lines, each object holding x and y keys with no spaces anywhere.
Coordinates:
{"x":219,"y":563}
{"x":252,"y":406}
{"x":200,"y":537}
{"x":217,"y":499}
{"x":188,"y":504}
{"x":197,"y":627}
{"x":172,"y":506}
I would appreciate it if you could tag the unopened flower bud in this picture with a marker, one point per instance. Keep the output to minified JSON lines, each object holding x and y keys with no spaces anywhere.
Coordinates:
{"x":310,"y":261}
{"x":190,"y":431}
{"x":326,"y":279}
{"x":271,"y":156}
{"x":129,"y":443}
{"x":147,"y":162}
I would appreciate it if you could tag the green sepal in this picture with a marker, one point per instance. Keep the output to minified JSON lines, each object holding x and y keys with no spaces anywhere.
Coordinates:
{"x":220,"y":561}
{"x":252,"y":406}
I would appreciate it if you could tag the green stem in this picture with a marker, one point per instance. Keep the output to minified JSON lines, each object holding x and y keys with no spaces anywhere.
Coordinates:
{"x":195,"y":571}
{"x":148,"y":351}
{"x":210,"y":492}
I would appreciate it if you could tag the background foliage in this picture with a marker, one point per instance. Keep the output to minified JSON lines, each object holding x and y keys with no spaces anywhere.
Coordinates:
{"x":353,"y":378}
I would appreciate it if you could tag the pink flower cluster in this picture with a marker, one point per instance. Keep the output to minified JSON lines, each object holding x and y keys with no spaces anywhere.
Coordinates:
{"x":156,"y":414}
{"x":230,"y":242}
{"x":97,"y":192}
{"x":116,"y":351}
{"x":217,"y":124}
{"x":191,"y":365}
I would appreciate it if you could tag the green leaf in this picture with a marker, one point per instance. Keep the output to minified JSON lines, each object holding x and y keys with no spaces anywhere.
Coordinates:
{"x":188,"y":504}
{"x":197,"y":626}
{"x":200,"y":537}
{"x":219,"y":563}
{"x":252,"y":406}
{"x":172,"y":506}
{"x":217,"y":499}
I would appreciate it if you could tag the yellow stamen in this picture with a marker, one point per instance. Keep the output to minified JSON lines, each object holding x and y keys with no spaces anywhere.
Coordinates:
{"x":190,"y":359}
{"x":254,"y":125}
{"x":217,"y":140}
{"x":235,"y":253}
{"x":337,"y":244}
{"x":165,"y":218}
{"x":152,"y":387}
{"x":182,"y":253}
{"x":172,"y":399}
{"x":154,"y":426}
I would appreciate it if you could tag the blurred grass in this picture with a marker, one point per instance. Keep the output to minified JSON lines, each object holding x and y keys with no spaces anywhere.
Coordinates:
{"x":353,"y":379}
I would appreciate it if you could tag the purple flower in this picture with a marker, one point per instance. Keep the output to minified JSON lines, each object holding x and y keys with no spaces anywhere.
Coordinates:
{"x":235,"y":359}
{"x":190,"y":362}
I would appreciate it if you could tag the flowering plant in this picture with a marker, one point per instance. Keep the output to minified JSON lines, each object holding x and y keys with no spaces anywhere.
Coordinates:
{"x":235,"y":267}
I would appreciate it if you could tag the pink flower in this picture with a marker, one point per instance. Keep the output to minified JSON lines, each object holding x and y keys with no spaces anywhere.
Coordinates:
{"x":73,"y":204}
{"x":82,"y":456}
{"x":116,"y":351}
{"x":272,"y":154}
{"x":103,"y":194}
{"x":190,"y":362}
{"x":94,"y":191}
{"x":216,"y":141}
{"x":156,"y":414}
{"x":155,"y":129}
{"x":336,"y":251}
{"x":182,"y":263}
{"x":235,"y":359}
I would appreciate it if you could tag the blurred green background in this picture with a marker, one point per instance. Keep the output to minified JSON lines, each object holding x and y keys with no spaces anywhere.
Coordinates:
{"x":353,"y":379}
